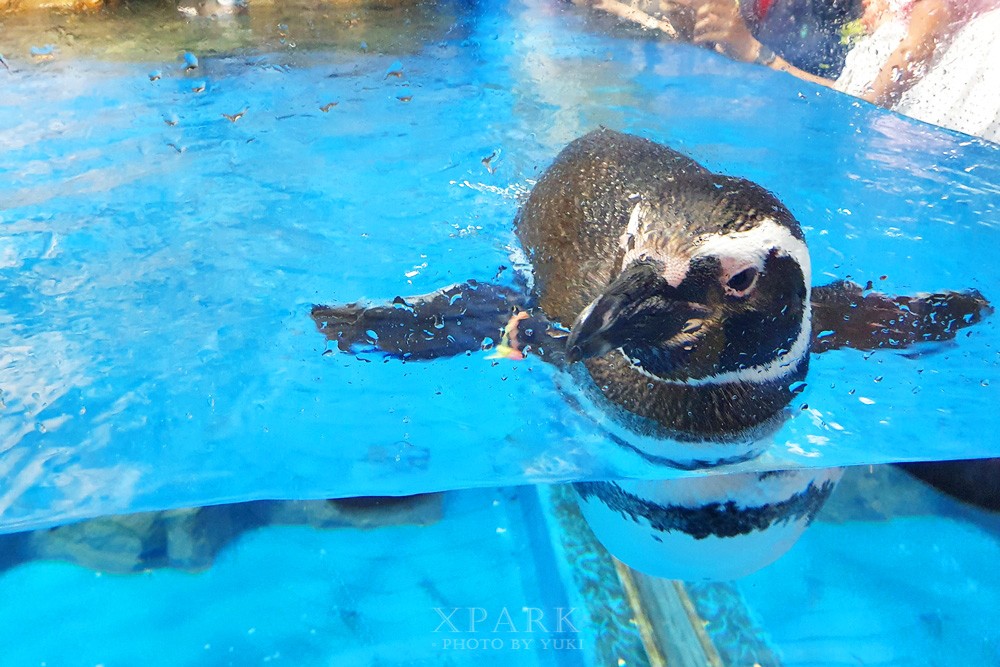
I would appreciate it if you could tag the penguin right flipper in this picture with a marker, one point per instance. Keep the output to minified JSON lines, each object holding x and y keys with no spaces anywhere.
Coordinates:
{"x":843,"y":315}
{"x":454,"y":320}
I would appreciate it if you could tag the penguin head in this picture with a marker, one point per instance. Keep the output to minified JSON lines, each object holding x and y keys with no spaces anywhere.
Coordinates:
{"x":712,"y":289}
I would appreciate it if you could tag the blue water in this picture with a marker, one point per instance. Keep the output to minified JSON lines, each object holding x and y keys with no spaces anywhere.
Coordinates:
{"x":158,"y":261}
{"x":299,"y":596}
{"x":891,"y":574}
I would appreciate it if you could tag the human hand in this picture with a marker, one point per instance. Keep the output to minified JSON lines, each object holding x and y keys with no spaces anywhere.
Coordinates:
{"x":718,"y":23}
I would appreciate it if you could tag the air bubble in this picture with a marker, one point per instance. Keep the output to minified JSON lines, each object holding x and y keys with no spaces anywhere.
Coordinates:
{"x":43,"y":52}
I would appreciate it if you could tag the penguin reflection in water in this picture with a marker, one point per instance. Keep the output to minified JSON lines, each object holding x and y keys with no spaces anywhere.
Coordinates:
{"x":680,"y":304}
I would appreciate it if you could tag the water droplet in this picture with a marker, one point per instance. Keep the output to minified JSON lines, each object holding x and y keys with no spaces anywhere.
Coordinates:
{"x":395,"y":70}
{"x":190,"y":60}
{"x":984,"y":383}
{"x":43,"y":52}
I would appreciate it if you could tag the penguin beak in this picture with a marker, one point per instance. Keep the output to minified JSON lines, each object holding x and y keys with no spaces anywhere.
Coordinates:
{"x":639,"y":308}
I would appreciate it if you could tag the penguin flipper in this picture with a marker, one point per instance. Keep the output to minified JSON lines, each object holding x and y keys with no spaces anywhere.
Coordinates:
{"x":454,"y":320}
{"x":844,"y":316}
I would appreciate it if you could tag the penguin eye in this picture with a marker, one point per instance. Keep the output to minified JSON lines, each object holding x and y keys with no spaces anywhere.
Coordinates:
{"x":742,"y":282}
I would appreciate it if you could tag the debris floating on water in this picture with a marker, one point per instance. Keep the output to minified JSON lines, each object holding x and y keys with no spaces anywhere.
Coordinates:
{"x":488,"y":159}
{"x":232,"y":118}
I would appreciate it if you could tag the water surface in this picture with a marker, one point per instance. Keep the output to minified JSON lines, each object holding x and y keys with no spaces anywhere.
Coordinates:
{"x":158,"y":259}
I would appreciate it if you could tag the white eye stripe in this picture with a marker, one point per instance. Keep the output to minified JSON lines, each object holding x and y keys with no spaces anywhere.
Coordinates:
{"x":751,"y":248}
{"x":736,"y":250}
{"x":633,"y":221}
{"x":629,"y":238}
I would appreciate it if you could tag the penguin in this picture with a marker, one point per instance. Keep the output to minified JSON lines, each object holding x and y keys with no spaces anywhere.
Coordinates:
{"x":679,"y":303}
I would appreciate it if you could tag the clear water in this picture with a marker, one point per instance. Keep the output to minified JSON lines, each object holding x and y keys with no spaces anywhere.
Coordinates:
{"x":297,"y":596}
{"x":890,"y":574}
{"x":158,"y":260}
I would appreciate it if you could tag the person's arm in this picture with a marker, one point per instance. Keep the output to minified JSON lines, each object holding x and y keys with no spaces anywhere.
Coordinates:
{"x":930,"y":21}
{"x":718,"y":23}
{"x":629,"y":13}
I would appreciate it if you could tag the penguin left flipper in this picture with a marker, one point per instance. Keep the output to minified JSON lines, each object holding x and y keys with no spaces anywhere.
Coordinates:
{"x":462,"y":318}
{"x":843,"y":315}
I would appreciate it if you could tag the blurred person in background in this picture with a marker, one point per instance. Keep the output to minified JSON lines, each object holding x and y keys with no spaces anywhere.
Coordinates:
{"x":934,"y":60}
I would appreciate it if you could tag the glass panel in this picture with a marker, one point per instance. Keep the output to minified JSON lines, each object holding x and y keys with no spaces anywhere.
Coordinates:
{"x":311,"y":311}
